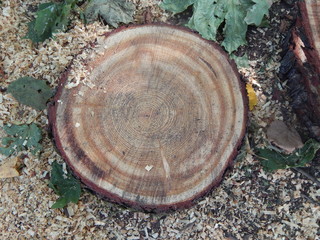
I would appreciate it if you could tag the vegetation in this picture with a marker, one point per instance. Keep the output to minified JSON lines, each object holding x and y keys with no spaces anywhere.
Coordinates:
{"x":21,"y":137}
{"x":234,"y":16}
{"x":64,"y":185}
{"x":272,"y":159}
{"x":53,"y":17}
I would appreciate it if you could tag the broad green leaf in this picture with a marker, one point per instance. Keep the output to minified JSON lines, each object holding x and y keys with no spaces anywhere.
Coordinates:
{"x":60,"y":203}
{"x":32,"y":34}
{"x":176,"y":6}
{"x":65,"y":185}
{"x":204,"y":21}
{"x":209,"y":15}
{"x":112,"y":11}
{"x":62,"y":21}
{"x":242,"y":61}
{"x":31,"y":92}
{"x":23,"y":137}
{"x":46,"y":18}
{"x":235,"y":28}
{"x":257,"y":12}
{"x":246,"y":4}
{"x":44,"y":6}
{"x":50,"y":18}
{"x":272,"y":160}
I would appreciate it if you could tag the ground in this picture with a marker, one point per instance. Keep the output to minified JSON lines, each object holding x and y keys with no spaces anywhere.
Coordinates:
{"x":249,"y":203}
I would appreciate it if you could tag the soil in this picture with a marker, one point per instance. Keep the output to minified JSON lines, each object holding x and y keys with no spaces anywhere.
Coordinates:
{"x":249,"y":203}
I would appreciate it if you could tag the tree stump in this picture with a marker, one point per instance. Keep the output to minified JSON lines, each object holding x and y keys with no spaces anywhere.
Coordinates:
{"x":301,"y":66}
{"x":160,"y":122}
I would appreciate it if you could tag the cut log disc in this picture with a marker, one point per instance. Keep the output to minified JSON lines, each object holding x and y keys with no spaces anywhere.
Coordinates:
{"x":160,"y":123}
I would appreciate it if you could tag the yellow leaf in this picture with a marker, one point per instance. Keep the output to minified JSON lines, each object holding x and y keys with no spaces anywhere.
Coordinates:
{"x":253,"y":99}
{"x":8,"y":169}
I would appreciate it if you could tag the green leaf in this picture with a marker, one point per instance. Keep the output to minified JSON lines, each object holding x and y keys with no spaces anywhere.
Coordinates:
{"x":31,"y":92}
{"x":50,"y":18}
{"x":112,"y":11}
{"x":209,"y":15}
{"x":60,"y":203}
{"x":23,"y":137}
{"x":65,"y":185}
{"x":62,"y":20}
{"x":242,"y":61}
{"x":235,"y":27}
{"x":46,"y":16}
{"x":257,"y":12}
{"x":176,"y":6}
{"x":204,"y":21}
{"x":32,"y":34}
{"x":272,"y":160}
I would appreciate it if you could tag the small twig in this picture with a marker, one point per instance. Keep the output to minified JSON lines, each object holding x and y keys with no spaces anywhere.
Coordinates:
{"x":310,"y":199}
{"x":312,"y":178}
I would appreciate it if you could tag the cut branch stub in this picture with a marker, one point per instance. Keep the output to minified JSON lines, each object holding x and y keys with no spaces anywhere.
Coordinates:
{"x":160,"y":122}
{"x":302,"y":66}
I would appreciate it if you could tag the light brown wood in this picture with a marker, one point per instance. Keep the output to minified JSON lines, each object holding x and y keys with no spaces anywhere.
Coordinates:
{"x":312,"y":15}
{"x":162,"y":123}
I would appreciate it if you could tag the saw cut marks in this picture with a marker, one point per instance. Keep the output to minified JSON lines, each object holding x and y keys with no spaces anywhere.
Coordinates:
{"x":160,"y":122}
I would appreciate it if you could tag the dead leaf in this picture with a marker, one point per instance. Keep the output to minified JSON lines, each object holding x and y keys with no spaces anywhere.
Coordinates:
{"x":253,"y":99}
{"x":287,"y":139}
{"x":9,"y":168}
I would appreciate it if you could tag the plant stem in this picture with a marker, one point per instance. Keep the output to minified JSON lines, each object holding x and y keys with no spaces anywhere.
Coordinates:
{"x":312,"y":178}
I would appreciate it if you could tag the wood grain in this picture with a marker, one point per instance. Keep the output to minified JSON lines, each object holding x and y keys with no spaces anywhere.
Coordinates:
{"x":312,"y":15}
{"x":162,"y":123}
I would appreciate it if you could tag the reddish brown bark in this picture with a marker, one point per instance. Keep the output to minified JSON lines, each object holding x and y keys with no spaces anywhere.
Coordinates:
{"x":301,"y":66}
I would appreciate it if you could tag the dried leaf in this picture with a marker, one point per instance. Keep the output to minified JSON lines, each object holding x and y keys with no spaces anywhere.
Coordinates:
{"x":253,"y":99}
{"x":279,"y":134}
{"x":9,"y":169}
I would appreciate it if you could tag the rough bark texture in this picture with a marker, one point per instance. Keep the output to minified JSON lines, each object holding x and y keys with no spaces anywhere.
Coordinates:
{"x":162,"y":122}
{"x":301,"y":65}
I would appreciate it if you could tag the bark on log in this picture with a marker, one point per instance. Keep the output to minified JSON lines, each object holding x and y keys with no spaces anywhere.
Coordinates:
{"x":162,"y":122}
{"x":301,"y":66}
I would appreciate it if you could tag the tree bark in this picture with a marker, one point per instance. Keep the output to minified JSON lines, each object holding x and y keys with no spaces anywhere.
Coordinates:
{"x":160,"y":121}
{"x":301,"y":66}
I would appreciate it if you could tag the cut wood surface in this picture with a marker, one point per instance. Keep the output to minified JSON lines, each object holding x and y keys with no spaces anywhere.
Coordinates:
{"x":160,"y":122}
{"x":301,"y":65}
{"x":310,"y":10}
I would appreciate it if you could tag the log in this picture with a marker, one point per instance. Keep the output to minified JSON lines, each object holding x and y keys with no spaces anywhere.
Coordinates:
{"x":301,"y":66}
{"x":160,"y":122}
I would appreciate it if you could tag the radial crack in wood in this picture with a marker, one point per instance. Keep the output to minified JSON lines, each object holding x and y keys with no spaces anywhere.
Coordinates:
{"x":160,"y":121}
